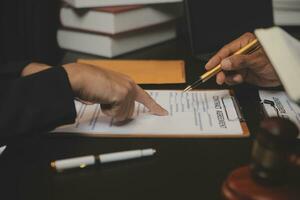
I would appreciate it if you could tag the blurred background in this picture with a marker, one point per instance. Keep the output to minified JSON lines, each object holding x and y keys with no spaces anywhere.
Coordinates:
{"x":58,"y":31}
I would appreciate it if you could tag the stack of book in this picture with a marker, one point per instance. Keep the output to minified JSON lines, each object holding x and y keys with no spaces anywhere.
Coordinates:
{"x":286,"y":12}
{"x":113,"y":27}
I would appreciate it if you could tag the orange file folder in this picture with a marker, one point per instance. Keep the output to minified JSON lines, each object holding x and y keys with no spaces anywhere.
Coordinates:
{"x":145,"y":71}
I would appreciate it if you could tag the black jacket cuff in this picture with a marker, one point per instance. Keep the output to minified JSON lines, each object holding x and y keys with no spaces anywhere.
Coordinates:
{"x":36,"y":103}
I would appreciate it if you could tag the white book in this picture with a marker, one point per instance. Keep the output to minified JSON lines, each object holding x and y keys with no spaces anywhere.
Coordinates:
{"x":102,"y":3}
{"x":287,"y":4}
{"x":284,"y":53}
{"x":116,"y":20}
{"x":108,"y":46}
{"x":286,"y":17}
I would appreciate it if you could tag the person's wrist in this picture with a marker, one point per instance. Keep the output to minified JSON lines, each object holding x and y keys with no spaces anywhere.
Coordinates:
{"x":33,"y":68}
{"x":73,"y":72}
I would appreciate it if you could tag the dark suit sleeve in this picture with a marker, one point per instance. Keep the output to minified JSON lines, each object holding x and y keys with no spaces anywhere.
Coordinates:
{"x":36,"y":103}
{"x":12,"y":69}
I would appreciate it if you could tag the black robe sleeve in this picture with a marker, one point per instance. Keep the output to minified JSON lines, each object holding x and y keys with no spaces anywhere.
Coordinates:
{"x":12,"y":70}
{"x":35,"y":103}
{"x":28,"y":31}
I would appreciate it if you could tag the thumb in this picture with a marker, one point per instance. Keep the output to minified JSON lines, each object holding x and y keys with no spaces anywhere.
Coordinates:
{"x":144,"y":98}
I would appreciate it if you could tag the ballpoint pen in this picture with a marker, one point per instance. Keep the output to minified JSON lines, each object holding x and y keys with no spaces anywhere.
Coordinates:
{"x":84,"y":161}
{"x":248,"y":49}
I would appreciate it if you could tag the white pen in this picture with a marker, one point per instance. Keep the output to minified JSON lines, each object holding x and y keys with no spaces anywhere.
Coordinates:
{"x":2,"y":149}
{"x":84,"y":161}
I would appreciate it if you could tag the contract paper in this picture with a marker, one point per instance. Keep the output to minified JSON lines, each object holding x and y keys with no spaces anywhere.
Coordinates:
{"x":278,"y":104}
{"x":190,"y":113}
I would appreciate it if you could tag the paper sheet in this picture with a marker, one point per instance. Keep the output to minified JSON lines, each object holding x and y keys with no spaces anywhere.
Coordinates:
{"x":191,"y":113}
{"x":278,"y":104}
{"x":145,"y":71}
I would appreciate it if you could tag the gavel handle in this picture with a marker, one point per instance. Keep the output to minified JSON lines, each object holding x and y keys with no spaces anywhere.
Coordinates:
{"x":295,"y":160}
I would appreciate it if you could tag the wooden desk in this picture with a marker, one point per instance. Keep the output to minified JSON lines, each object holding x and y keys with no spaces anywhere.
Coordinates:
{"x":182,"y":168}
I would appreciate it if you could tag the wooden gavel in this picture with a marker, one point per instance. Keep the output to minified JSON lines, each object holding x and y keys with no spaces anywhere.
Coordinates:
{"x":273,"y":173}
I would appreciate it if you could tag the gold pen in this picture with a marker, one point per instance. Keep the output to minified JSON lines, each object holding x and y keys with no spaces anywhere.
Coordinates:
{"x":248,"y":49}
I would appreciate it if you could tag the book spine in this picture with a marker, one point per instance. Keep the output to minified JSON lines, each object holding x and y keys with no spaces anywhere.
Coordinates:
{"x":104,"y":3}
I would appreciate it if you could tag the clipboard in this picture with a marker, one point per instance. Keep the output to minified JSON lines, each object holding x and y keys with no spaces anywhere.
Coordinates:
{"x":244,"y":127}
{"x":238,"y":108}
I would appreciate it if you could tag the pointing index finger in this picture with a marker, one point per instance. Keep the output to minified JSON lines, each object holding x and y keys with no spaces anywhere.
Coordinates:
{"x":144,"y":98}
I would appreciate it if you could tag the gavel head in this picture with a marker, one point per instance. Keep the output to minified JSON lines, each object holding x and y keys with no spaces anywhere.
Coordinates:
{"x":272,"y":147}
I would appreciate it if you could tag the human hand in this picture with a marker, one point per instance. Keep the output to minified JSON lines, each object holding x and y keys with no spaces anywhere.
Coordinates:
{"x":33,"y":68}
{"x":254,"y":68}
{"x":115,"y":92}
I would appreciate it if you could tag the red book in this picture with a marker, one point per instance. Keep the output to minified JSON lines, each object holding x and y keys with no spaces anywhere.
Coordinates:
{"x":103,"y":3}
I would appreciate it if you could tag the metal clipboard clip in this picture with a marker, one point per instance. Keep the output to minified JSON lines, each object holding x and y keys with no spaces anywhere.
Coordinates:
{"x":269,"y":103}
{"x":228,"y":111}
{"x":272,"y":104}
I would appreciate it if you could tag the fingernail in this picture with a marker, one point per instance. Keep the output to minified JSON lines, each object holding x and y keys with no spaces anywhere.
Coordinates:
{"x":165,"y":113}
{"x":219,"y":80}
{"x":162,"y":112}
{"x":226,"y":64}
{"x":237,"y":79}
{"x":207,"y":64}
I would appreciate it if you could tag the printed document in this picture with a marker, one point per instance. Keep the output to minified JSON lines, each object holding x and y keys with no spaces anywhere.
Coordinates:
{"x":278,"y":104}
{"x":191,"y":113}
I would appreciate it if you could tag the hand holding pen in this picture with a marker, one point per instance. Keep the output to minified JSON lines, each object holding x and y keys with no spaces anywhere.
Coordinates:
{"x":246,"y":59}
